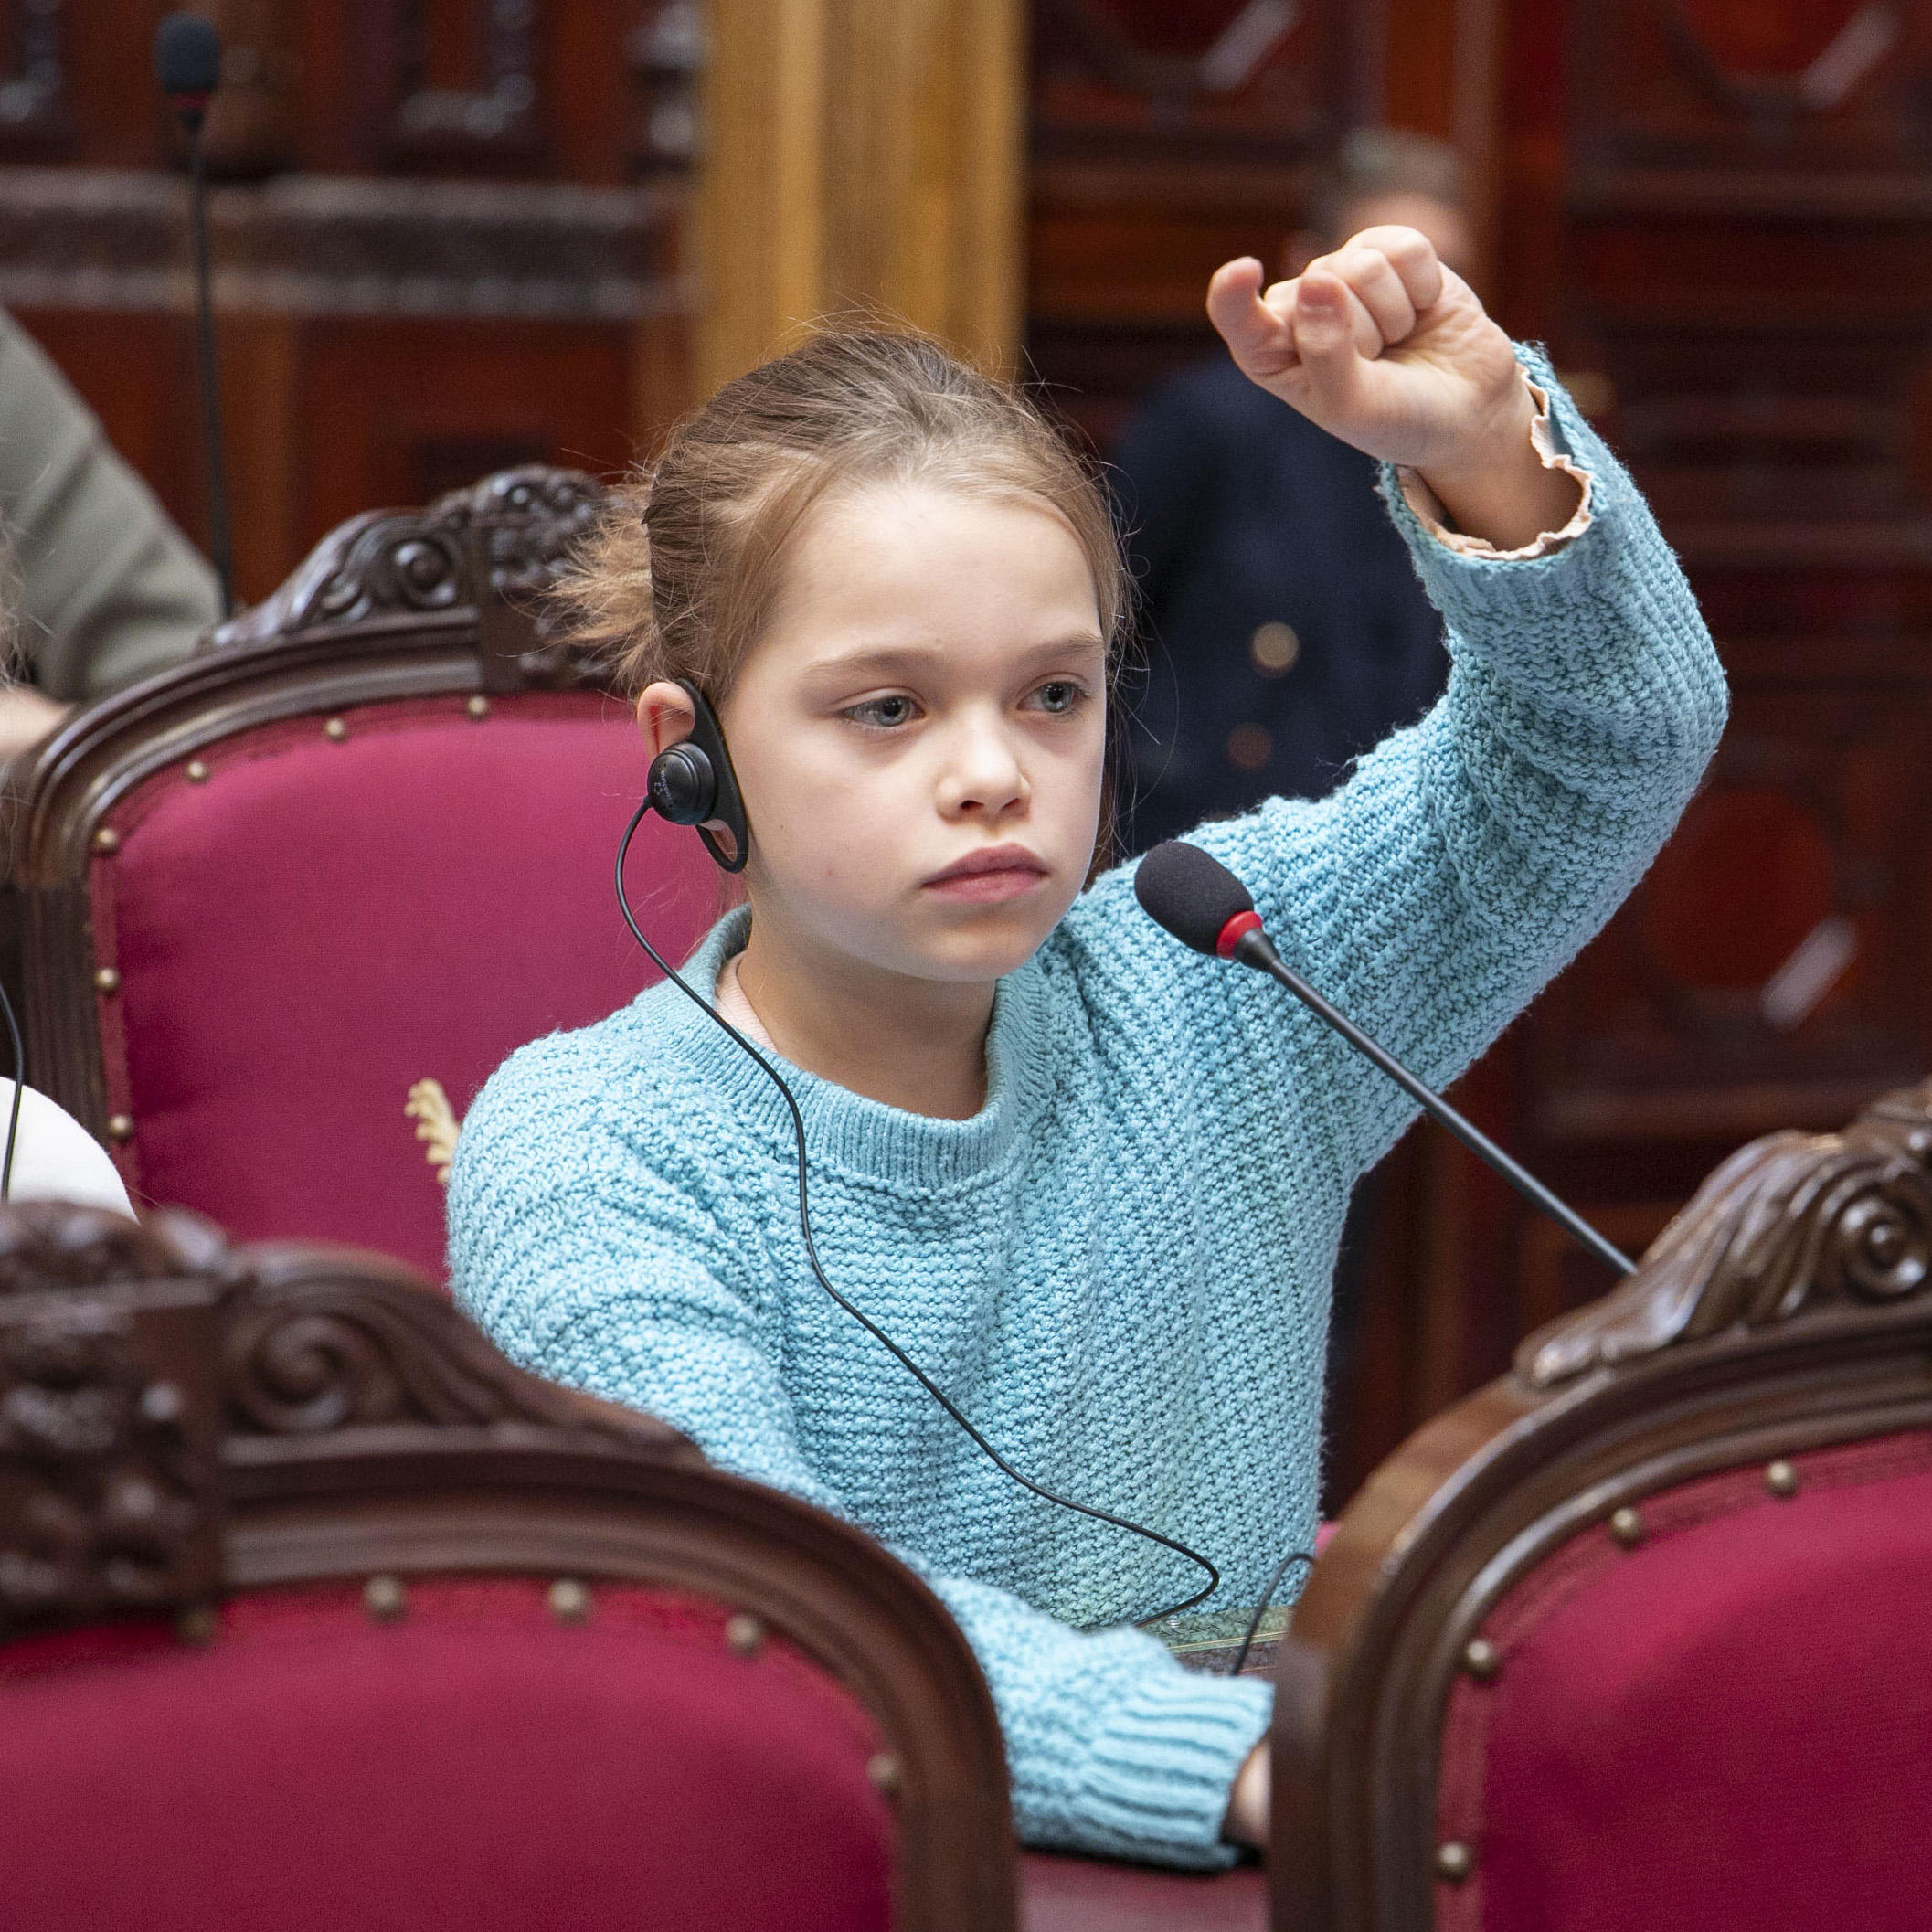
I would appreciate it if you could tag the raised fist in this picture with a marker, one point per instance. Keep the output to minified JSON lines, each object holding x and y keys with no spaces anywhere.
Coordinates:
{"x":1386,"y":348}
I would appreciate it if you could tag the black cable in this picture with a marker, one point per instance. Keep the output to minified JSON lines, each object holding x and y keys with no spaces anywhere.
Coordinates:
{"x":1267,"y":1597}
{"x":13,"y":1119}
{"x":858,"y":1314}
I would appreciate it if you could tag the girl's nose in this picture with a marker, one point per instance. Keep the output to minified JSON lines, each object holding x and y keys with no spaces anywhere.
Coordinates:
{"x":981,"y":776}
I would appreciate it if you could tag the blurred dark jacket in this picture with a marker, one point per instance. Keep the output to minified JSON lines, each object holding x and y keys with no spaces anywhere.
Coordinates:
{"x":99,"y":588}
{"x":1240,"y":513}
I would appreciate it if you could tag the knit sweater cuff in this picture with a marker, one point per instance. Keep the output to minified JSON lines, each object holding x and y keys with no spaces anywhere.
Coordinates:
{"x":1435,"y":518}
{"x":1553,"y":602}
{"x":1155,"y":1779}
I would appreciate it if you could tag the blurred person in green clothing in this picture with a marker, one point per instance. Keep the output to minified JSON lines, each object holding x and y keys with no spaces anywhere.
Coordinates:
{"x":99,"y":586}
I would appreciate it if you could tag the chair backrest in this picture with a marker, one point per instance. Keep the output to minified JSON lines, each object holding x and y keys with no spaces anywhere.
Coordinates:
{"x":314,"y":1611}
{"x":363,"y":843}
{"x":1635,"y":1637}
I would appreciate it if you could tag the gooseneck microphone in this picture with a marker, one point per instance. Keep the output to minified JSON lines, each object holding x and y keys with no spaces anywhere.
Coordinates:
{"x":1194,"y":897}
{"x":187,"y":64}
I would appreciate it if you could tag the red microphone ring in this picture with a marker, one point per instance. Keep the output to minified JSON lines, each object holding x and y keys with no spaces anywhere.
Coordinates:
{"x":1236,"y":930}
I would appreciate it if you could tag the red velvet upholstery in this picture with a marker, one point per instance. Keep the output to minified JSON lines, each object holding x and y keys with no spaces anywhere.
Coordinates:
{"x":1728,"y":1727}
{"x":1087,"y":1894}
{"x":474,"y":1767}
{"x":321,"y":923}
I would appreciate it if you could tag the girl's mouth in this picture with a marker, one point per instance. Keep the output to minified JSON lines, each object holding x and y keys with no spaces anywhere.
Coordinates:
{"x":985,"y":878}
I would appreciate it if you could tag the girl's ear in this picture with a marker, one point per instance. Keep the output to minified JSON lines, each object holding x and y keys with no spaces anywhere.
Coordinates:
{"x":664,"y":717}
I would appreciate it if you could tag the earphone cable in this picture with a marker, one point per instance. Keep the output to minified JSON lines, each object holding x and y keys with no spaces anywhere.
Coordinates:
{"x":1267,"y":1597}
{"x":865,"y":1321}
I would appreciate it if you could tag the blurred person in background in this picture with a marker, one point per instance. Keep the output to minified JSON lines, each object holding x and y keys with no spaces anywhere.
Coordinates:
{"x":1286,"y":630}
{"x":100,"y":587}
{"x":45,"y":1153}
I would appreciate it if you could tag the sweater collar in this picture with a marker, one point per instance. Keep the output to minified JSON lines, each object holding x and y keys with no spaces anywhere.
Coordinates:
{"x":843,"y":1129}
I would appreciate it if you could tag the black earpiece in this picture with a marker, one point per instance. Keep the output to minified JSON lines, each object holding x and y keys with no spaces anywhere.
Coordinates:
{"x":693,"y":784}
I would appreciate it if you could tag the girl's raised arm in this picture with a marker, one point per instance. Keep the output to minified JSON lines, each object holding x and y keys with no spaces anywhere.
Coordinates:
{"x":1468,"y":859}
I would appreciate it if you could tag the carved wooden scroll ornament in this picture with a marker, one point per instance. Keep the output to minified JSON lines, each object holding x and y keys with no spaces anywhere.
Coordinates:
{"x":143,"y":1367}
{"x":501,"y":542}
{"x":1788,"y":1223}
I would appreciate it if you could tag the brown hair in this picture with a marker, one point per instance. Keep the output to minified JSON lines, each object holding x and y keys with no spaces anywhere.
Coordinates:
{"x":679,"y":577}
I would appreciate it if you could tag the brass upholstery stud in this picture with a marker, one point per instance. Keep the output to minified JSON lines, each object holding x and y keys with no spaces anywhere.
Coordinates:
{"x":885,"y":1773}
{"x":385,"y":1599}
{"x":1780,"y":1477}
{"x":194,"y":1623}
{"x":107,"y":840}
{"x":119,"y":1127}
{"x":196,"y":772}
{"x":1480,"y":1659}
{"x":1627,"y":1526}
{"x":335,"y":729}
{"x":478,"y":706}
{"x":745,"y":1634}
{"x":107,"y":981}
{"x":569,"y":1601}
{"x":1454,"y":1861}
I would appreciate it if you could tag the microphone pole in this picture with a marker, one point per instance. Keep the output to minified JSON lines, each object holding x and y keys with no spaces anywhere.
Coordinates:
{"x":1190,"y":894}
{"x":1255,"y":948}
{"x":187,"y":63}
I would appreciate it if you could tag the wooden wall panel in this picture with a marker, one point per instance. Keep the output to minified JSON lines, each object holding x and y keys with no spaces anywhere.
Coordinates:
{"x":1165,"y":140}
{"x":384,"y":333}
{"x":561,"y":89}
{"x":397,"y":412}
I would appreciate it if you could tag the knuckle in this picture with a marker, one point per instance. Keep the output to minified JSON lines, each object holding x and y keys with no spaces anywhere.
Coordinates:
{"x":1415,"y":253}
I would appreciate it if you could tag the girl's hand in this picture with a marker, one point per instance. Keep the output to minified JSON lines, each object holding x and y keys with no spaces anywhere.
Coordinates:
{"x":1383,"y":346}
{"x":1249,"y":1809}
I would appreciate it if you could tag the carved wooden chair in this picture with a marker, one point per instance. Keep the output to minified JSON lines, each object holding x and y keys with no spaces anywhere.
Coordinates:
{"x":336,"y":867}
{"x":1637,"y":1636}
{"x":315,"y":1612}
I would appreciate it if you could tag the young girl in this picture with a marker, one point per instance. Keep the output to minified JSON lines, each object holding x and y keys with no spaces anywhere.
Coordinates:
{"x":1091,"y":1182}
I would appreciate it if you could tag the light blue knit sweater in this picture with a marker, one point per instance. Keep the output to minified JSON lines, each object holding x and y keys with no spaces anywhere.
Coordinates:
{"x":1118,"y":1269}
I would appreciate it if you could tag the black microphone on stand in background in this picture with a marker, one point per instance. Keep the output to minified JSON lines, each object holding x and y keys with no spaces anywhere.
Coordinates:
{"x":187,"y":63}
{"x":1194,"y":897}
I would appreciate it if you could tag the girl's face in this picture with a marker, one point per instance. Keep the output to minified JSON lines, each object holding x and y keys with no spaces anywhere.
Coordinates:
{"x":919,"y":735}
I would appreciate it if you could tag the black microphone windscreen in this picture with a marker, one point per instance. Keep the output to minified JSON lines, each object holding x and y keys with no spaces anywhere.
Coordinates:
{"x":1190,"y":893}
{"x":188,"y":55}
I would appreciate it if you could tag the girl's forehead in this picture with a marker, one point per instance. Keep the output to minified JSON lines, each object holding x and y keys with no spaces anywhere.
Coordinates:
{"x":920,"y":565}
{"x":905,"y":518}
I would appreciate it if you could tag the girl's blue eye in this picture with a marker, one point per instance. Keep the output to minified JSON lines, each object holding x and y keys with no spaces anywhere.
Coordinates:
{"x":888,"y":712}
{"x":1058,"y":694}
